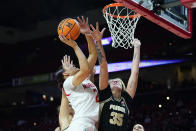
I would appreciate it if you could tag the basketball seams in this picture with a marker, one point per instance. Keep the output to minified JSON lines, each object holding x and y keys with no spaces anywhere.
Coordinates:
{"x":69,"y":30}
{"x":64,"y":24}
{"x":69,"y":26}
{"x":75,"y":32}
{"x":60,"y":26}
{"x":78,"y":32}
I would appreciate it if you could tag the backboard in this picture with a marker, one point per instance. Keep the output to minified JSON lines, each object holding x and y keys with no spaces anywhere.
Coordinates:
{"x":169,"y":14}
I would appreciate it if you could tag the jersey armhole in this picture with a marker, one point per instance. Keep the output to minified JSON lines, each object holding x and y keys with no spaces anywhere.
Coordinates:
{"x":65,"y":129}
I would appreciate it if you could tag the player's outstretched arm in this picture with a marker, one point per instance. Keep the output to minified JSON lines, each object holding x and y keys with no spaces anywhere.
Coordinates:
{"x":64,"y":115}
{"x":84,"y":71}
{"x":133,"y":79}
{"x":103,"y":76}
{"x":84,"y":29}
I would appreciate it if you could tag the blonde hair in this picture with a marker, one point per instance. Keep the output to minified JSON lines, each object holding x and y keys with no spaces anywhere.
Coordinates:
{"x":118,"y":79}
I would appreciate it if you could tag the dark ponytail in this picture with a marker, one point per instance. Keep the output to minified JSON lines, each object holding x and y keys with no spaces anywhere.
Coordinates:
{"x":59,"y":77}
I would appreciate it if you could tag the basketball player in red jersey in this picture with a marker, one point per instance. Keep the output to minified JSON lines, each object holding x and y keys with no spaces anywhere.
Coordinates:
{"x":77,"y":88}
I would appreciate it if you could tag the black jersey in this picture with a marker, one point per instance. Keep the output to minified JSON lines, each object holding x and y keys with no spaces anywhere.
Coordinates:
{"x":114,"y":113}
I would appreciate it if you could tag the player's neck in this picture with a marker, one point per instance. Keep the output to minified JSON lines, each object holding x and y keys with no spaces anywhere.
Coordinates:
{"x":117,"y":95}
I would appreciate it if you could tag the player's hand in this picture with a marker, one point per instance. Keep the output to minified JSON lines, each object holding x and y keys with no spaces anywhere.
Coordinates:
{"x":136,"y":43}
{"x":67,"y":64}
{"x":84,"y":26}
{"x":96,"y":34}
{"x":57,"y":129}
{"x":69,"y":42}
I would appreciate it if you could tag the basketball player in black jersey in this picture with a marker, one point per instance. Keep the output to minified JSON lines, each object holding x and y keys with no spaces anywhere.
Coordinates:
{"x":116,"y":99}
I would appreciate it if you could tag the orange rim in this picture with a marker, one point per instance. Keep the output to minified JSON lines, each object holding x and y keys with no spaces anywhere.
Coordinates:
{"x":116,"y":16}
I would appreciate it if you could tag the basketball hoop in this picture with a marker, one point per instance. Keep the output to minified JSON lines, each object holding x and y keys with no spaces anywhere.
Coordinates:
{"x":121,"y":23}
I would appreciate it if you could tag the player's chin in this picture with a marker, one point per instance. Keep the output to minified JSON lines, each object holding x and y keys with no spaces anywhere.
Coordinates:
{"x":115,"y":89}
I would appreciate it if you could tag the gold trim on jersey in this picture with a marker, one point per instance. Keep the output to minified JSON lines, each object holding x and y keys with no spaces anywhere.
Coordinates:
{"x":117,"y":99}
{"x":126,"y":104}
{"x":103,"y":102}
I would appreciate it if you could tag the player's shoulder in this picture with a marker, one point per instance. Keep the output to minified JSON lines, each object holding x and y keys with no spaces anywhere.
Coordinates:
{"x":68,"y":79}
{"x":105,"y":94}
{"x":68,"y":82}
{"x":126,"y":96}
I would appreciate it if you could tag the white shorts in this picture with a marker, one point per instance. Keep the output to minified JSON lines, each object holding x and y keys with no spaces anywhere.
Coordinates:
{"x":82,"y":125}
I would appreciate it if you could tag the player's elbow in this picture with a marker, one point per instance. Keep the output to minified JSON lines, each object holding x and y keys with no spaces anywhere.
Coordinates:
{"x":86,"y":72}
{"x":85,"y":69}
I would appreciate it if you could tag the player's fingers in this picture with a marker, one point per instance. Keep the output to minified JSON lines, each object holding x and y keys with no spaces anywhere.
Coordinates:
{"x":103,"y":30}
{"x":92,"y":27}
{"x":65,"y":58}
{"x":97,"y":26}
{"x":68,"y":59}
{"x":80,"y":21}
{"x":83,"y":20}
{"x":87,"y":20}
{"x":90,"y":32}
{"x":59,"y":37}
{"x":136,"y":39}
{"x":64,"y":38}
{"x":69,"y":36}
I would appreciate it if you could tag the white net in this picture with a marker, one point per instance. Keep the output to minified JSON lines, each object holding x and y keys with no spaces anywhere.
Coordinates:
{"x":121,"y":23}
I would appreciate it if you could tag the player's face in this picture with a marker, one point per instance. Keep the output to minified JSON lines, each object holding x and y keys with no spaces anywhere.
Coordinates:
{"x":116,"y":84}
{"x":138,"y":127}
{"x":71,"y":71}
{"x":116,"y":87}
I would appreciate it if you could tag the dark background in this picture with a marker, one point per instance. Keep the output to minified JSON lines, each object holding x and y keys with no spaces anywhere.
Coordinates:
{"x":29,"y":45}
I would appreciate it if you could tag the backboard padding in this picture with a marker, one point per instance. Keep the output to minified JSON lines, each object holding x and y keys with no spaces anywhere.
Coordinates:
{"x":169,"y":23}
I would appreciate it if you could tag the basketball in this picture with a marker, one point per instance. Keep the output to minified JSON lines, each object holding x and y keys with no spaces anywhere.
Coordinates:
{"x":69,"y":26}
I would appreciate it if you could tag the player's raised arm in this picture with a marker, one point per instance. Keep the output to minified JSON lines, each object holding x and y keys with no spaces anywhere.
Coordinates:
{"x":84,"y":29}
{"x":103,"y":76}
{"x":133,"y":79}
{"x":84,"y":71}
{"x":92,"y":74}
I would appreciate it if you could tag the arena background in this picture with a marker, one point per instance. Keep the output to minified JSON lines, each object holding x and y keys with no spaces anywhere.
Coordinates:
{"x":30,"y":52}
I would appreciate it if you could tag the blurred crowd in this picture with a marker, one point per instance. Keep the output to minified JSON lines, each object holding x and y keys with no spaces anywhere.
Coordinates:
{"x":155,"y":107}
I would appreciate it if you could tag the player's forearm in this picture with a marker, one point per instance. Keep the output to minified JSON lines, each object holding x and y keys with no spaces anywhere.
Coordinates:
{"x":103,"y":76}
{"x":133,"y":80}
{"x":92,"y":51}
{"x":64,"y":123}
{"x":63,"y":116}
{"x":100,"y":53}
{"x":92,"y":74}
{"x":91,"y":45}
{"x":84,"y":66}
{"x":136,"y":60}
{"x":64,"y":112}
